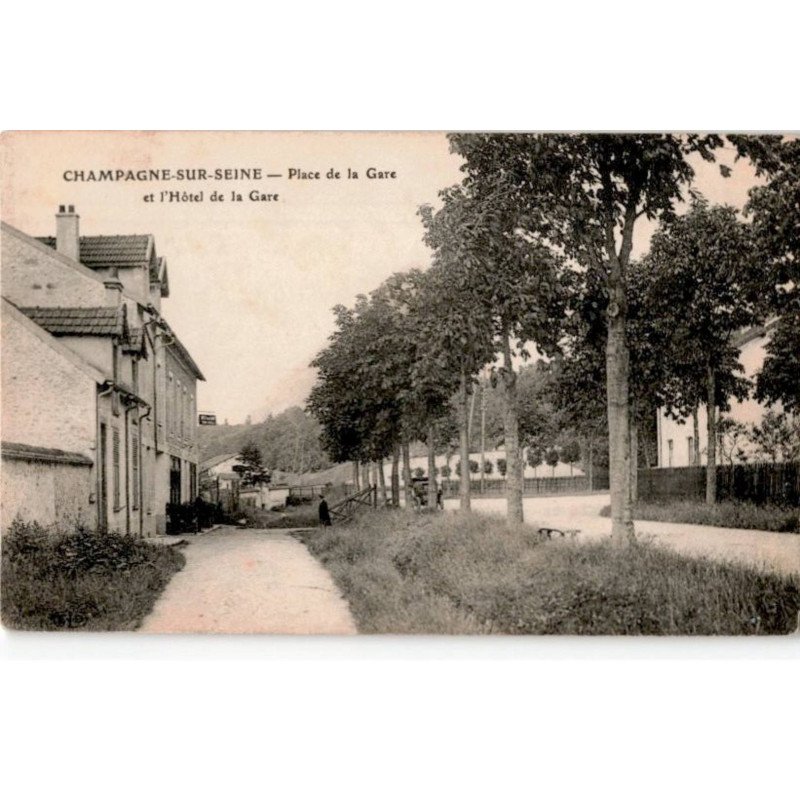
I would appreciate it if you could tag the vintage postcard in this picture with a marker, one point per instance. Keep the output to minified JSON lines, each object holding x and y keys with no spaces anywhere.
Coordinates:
{"x":420,"y":383}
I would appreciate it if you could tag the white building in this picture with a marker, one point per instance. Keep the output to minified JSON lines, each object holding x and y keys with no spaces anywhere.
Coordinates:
{"x":676,"y":445}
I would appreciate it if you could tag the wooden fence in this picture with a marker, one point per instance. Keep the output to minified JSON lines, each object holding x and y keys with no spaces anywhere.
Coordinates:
{"x":564,"y":484}
{"x":753,"y":483}
{"x":344,"y":509}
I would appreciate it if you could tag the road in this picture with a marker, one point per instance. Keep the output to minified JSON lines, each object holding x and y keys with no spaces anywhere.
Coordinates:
{"x":250,"y":581}
{"x":778,"y":552}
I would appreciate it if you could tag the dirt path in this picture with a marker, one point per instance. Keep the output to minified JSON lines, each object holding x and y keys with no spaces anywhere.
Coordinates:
{"x":250,"y":581}
{"x":778,"y":552}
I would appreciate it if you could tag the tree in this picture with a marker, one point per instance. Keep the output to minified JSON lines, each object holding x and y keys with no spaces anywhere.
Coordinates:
{"x":734,"y":441}
{"x":570,"y":453}
{"x":501,"y":466}
{"x":534,"y":458}
{"x":377,"y":389}
{"x":517,"y":285}
{"x":488,"y":467}
{"x":704,"y":287}
{"x":551,"y":458}
{"x":584,"y":194}
{"x":252,"y":467}
{"x":456,"y":330}
{"x":779,"y":378}
{"x":775,"y":211}
{"x":777,"y":437}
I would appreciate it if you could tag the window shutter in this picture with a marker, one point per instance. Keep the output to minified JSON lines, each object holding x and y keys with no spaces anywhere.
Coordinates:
{"x":135,"y":471}
{"x":115,"y":462}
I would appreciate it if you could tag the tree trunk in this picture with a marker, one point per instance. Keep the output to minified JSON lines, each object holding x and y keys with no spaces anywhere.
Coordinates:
{"x":634,"y":477}
{"x":356,"y":477}
{"x":619,"y":451}
{"x":483,"y":438}
{"x":590,"y":445}
{"x":696,"y":425}
{"x":396,"y":476}
{"x":407,"y":494}
{"x":381,"y":485}
{"x":471,"y":418}
{"x":463,"y":442}
{"x":432,"y":487}
{"x":514,"y":512}
{"x":711,"y":465}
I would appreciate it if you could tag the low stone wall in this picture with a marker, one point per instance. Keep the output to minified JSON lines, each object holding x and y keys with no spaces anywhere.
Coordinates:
{"x":51,"y":494}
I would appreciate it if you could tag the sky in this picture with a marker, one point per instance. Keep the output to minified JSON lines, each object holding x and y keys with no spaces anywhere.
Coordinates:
{"x":252,"y":283}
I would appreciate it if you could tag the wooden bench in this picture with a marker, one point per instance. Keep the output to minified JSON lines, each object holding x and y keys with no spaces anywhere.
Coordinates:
{"x":547,"y":533}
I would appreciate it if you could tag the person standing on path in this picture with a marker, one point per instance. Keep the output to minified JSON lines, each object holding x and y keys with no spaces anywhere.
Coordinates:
{"x":324,"y":512}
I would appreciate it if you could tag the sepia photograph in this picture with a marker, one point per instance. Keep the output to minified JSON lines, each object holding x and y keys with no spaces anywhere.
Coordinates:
{"x":468,"y":383}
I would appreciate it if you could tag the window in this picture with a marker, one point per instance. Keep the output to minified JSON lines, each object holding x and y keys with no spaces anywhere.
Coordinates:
{"x":182,"y":409}
{"x":669,"y":451}
{"x":192,"y":481}
{"x":135,"y":375}
{"x":170,"y":403}
{"x":175,"y":480}
{"x":135,"y":471}
{"x":115,"y":467}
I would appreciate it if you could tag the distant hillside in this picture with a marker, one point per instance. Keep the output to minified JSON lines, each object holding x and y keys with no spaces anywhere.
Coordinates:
{"x":288,"y":441}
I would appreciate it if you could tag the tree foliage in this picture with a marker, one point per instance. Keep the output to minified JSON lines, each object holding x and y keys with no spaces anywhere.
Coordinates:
{"x":252,"y":466}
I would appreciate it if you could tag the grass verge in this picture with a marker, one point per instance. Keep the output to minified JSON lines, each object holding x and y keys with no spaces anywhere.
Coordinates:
{"x":725,"y":514}
{"x":81,"y":580}
{"x":467,"y":573}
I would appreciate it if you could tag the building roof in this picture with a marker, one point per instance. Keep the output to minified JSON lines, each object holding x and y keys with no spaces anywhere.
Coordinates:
{"x":181,"y":351}
{"x":101,"y":252}
{"x":27,"y":452}
{"x":92,"y":321}
{"x":214,"y":461}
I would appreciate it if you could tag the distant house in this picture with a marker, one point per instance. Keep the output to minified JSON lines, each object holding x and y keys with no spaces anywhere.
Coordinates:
{"x":92,"y":369}
{"x":676,"y":445}
{"x":220,"y":483}
{"x":219,"y":470}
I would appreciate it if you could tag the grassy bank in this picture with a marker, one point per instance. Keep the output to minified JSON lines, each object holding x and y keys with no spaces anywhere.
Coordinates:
{"x":723,"y":515}
{"x":466,"y":573}
{"x":81,"y":580}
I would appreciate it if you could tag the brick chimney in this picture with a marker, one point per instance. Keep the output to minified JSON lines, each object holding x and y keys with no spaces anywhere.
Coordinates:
{"x":113,"y":288}
{"x":67,"y":235}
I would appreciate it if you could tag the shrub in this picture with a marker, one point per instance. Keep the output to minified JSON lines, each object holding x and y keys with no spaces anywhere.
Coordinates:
{"x":81,"y":579}
{"x":295,"y":500}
